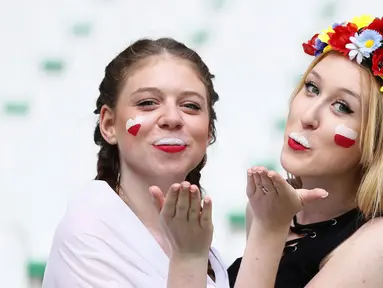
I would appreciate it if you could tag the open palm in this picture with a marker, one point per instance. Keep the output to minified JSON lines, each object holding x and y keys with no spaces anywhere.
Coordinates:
{"x":273,"y":200}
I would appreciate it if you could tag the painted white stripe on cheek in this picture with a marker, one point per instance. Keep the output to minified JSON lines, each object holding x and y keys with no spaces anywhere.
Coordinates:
{"x":344,"y":131}
{"x":134,"y":125}
{"x":345,"y":137}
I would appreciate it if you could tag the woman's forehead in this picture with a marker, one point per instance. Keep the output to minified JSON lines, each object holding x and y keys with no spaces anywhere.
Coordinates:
{"x":336,"y":71}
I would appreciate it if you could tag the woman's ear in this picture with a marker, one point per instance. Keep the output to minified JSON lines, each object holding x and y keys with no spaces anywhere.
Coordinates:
{"x":107,"y":128}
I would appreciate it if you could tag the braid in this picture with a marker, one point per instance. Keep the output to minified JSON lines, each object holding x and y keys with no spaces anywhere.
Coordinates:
{"x":108,"y":163}
{"x":194,"y":176}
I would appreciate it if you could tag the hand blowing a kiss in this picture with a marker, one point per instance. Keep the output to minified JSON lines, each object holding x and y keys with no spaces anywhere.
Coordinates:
{"x":274,"y":202}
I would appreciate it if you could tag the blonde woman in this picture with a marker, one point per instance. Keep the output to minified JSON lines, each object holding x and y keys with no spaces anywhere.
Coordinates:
{"x":322,"y":227}
{"x":333,"y":142}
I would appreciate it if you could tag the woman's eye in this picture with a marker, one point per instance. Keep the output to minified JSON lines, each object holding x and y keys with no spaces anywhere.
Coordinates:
{"x":192,"y":106}
{"x":146,"y":103}
{"x":342,"y":107}
{"x":312,"y":88}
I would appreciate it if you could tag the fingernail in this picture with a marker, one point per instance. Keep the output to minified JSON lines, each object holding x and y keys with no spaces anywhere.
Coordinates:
{"x":325,"y":196}
{"x":175,"y":190}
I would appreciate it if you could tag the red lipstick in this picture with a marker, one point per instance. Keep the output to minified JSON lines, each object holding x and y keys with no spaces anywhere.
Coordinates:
{"x":295,"y":145}
{"x":171,"y":148}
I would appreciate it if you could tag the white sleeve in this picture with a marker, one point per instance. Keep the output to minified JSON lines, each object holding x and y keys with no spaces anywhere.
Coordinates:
{"x":88,"y":261}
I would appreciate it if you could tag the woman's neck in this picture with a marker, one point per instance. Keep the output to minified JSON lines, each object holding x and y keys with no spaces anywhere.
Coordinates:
{"x":134,"y":191}
{"x":342,"y":191}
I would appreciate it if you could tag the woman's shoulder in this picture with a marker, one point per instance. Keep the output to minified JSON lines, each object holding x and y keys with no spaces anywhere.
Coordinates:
{"x":91,"y":210}
{"x":360,"y":258}
{"x":365,"y":237}
{"x":372,"y":228}
{"x":95,"y":193}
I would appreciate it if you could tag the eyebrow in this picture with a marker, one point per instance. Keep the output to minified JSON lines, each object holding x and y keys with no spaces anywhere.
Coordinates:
{"x":344,"y":90}
{"x":158,"y":92}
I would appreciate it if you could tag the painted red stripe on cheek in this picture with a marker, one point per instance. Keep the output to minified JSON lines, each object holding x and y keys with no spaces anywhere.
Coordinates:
{"x":134,"y":129}
{"x":343,"y":141}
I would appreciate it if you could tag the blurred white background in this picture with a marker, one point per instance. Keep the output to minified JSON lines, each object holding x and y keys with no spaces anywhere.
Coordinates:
{"x":53,"y":55}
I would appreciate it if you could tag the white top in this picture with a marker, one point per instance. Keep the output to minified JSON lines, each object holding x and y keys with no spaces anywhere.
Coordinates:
{"x":100,"y":243}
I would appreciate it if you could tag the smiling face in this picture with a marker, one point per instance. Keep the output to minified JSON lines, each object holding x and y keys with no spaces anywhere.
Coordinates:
{"x":324,"y":122}
{"x":161,"y":120}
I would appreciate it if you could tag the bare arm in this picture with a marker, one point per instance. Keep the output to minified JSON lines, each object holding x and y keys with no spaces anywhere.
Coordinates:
{"x":189,"y":229}
{"x":357,"y":263}
{"x":187,"y":273}
{"x":249,"y":219}
{"x":262,"y":256}
{"x":273,"y":204}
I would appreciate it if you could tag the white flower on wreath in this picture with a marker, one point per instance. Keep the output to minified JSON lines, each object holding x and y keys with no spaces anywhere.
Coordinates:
{"x":363,"y":44}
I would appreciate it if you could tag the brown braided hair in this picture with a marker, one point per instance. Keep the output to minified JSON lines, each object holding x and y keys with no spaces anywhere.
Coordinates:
{"x":108,"y":164}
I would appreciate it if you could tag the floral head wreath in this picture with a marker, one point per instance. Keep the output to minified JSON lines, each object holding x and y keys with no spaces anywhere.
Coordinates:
{"x":360,"y":39}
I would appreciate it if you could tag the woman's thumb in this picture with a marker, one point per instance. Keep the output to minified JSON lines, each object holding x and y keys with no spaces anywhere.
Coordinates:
{"x":157,"y":197}
{"x":311,"y":195}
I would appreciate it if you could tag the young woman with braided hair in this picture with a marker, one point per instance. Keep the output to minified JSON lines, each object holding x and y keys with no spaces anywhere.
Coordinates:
{"x":156,"y":108}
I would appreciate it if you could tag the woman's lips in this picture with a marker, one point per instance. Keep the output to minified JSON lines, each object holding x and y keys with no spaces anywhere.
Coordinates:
{"x":170,"y":144}
{"x":295,"y":145}
{"x":170,"y":148}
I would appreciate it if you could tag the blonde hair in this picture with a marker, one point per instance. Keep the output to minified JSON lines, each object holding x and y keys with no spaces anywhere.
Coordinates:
{"x":370,"y":191}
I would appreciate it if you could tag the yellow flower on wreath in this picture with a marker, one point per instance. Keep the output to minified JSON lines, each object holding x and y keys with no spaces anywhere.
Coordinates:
{"x":323,"y":36}
{"x":362,"y":20}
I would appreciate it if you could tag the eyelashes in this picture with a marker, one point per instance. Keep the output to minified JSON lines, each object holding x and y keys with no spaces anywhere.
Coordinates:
{"x":192,"y":106}
{"x":148,"y":104}
{"x":311,"y":87}
{"x":340,"y":106}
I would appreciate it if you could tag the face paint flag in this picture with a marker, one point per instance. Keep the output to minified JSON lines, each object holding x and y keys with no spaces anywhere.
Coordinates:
{"x":344,"y":136}
{"x":134,"y":125}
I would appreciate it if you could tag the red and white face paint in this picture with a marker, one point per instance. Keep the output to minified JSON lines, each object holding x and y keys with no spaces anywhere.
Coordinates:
{"x":134,"y":125}
{"x":344,"y":136}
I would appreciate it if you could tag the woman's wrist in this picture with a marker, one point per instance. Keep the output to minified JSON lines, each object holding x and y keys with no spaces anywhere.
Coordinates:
{"x":181,"y":257}
{"x":187,"y":270}
{"x":270,"y":228}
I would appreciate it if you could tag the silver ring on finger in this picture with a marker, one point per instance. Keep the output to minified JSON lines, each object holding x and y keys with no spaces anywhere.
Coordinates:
{"x":267,"y":191}
{"x":264,"y":189}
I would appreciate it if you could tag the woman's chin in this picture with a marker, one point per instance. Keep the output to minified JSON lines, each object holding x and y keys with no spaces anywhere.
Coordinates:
{"x":292,"y":166}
